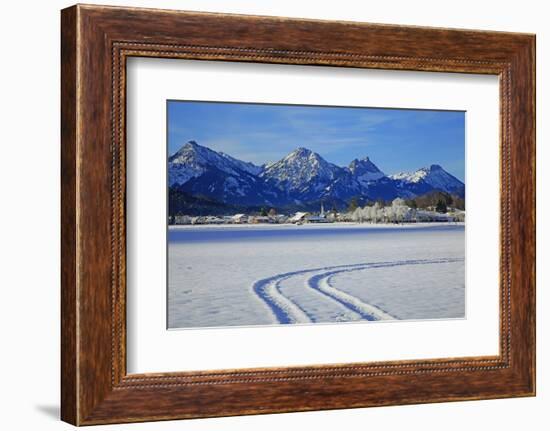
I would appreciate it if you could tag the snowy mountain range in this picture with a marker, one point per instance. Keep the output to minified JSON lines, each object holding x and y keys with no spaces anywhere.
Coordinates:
{"x":302,"y":179}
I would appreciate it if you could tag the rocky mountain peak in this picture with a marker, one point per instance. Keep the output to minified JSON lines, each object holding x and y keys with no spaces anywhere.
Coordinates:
{"x":365,"y":171}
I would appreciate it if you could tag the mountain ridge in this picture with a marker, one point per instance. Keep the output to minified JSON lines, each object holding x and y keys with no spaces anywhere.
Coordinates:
{"x":301,"y":179}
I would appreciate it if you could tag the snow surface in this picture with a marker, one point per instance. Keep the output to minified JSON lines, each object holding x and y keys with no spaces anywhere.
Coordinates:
{"x":265,"y":275}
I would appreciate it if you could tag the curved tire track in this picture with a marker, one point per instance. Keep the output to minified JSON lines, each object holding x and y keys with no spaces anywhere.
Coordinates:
{"x":284,"y":309}
{"x":321,"y":283}
{"x":287,"y":311}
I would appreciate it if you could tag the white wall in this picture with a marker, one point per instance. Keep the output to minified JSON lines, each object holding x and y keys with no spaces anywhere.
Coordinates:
{"x":29,"y":216}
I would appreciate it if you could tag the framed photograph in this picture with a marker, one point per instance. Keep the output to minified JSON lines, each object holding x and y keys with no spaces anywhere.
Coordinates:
{"x":326,"y":242}
{"x":263,"y":214}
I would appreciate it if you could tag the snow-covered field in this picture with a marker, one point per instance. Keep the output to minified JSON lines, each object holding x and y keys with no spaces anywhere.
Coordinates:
{"x":273,"y":274}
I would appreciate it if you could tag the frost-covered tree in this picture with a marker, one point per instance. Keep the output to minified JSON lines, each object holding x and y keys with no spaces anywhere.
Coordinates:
{"x":399,"y":210}
{"x":378,"y":212}
{"x":370,"y":213}
{"x":357,"y":215}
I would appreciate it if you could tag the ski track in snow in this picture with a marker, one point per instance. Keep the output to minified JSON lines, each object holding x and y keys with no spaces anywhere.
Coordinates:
{"x":286,"y":310}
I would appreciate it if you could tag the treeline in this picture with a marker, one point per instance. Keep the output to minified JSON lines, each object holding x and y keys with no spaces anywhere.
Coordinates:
{"x":180,"y":202}
{"x":434,"y":200}
{"x":399,"y":212}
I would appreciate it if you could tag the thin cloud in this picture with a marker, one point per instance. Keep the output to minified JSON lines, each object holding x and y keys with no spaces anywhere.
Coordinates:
{"x":397,"y":140}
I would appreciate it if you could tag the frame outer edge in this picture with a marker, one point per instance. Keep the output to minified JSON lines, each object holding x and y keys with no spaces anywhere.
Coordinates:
{"x":69,"y":197}
{"x":523,"y":249}
{"x":531,"y":83}
{"x":533,"y":53}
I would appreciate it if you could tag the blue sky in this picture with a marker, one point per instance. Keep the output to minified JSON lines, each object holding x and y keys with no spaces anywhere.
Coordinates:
{"x":395,"y":139}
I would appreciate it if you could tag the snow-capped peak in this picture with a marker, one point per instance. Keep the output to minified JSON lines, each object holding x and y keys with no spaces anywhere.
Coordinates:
{"x":300,"y":153}
{"x":300,"y":157}
{"x":301,"y":150}
{"x":192,"y":160}
{"x":191,"y":150}
{"x":301,"y":170}
{"x":434,"y":175}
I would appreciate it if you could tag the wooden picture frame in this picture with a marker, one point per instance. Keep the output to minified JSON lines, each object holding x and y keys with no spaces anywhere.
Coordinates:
{"x":95,"y":43}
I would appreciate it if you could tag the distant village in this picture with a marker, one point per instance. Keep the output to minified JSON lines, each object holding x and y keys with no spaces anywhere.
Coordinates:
{"x":397,"y":212}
